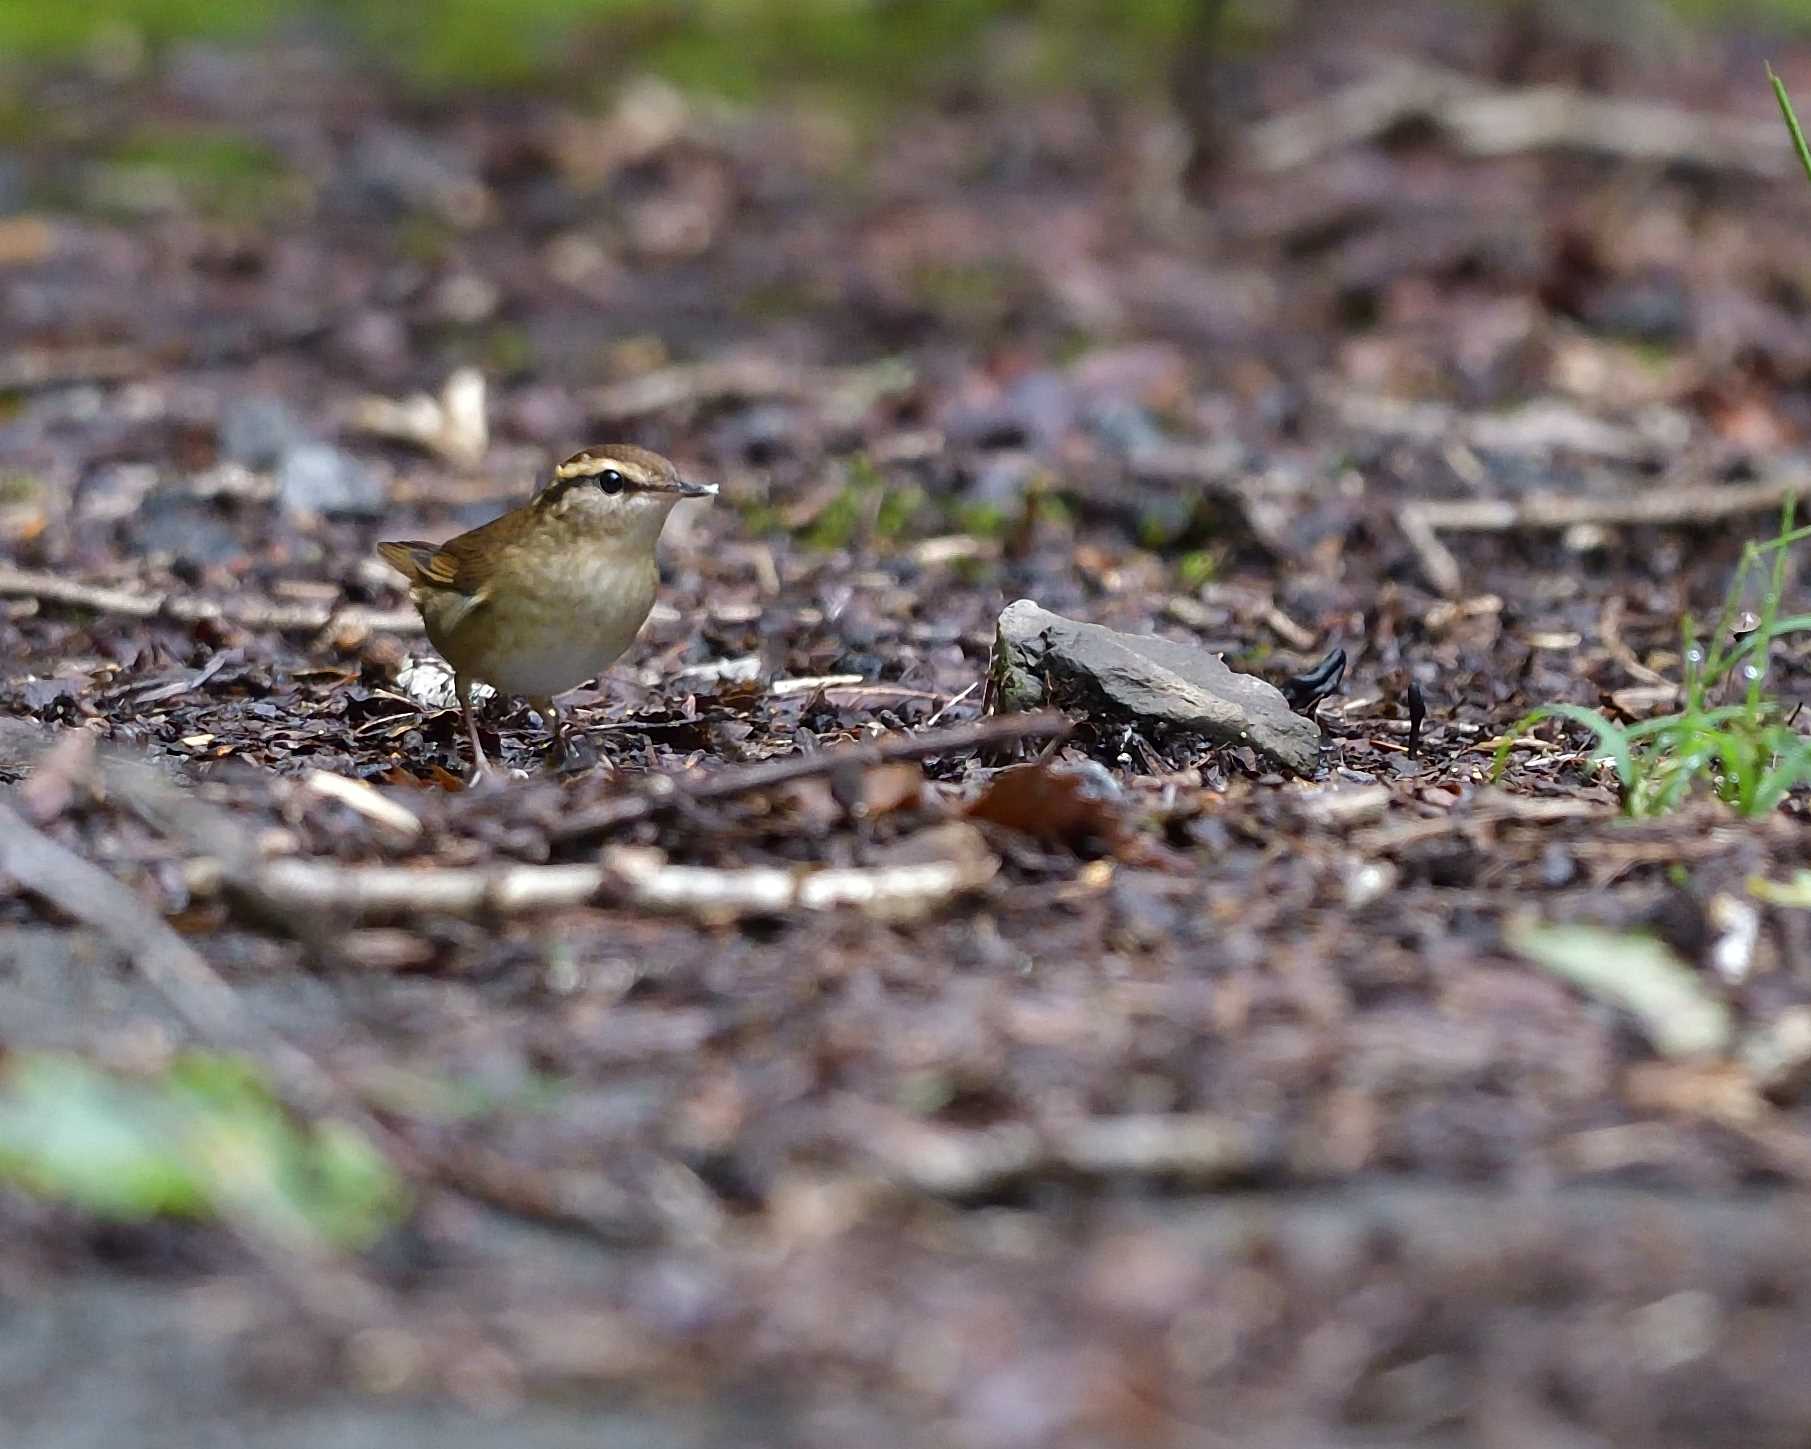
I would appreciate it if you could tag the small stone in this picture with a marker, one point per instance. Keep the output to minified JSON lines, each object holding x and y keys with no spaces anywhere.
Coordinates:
{"x":1155,"y":680}
{"x":258,"y":431}
{"x":1003,"y":479}
{"x":185,"y":528}
{"x":1123,"y":426}
{"x":1778,"y":1054}
{"x":319,"y":478}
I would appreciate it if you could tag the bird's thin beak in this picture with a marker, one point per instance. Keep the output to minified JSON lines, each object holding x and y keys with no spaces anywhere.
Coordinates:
{"x":689,"y":489}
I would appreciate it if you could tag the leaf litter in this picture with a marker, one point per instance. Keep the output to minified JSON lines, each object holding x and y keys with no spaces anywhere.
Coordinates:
{"x":941,"y":1085}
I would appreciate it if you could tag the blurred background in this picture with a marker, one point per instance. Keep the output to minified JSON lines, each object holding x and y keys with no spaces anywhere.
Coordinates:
{"x":1155,"y":311}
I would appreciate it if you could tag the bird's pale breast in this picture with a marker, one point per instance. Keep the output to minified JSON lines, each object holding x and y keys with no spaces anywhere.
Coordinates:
{"x":553,"y":622}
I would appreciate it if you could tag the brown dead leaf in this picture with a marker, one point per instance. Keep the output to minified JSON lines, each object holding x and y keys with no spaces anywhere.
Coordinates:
{"x":25,"y":240}
{"x":1719,"y":1090}
{"x":865,"y":794}
{"x":1057,"y":804}
{"x":887,"y":788}
{"x":1644,"y":701}
{"x":62,"y":771}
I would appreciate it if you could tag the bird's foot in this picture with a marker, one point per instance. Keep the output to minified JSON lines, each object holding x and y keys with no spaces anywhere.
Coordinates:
{"x":571,"y":753}
{"x":485,"y":779}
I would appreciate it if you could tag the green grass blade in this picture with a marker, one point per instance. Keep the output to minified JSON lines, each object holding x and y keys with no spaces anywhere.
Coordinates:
{"x":1798,"y":136}
{"x":1792,"y":766}
{"x":1662,"y":725}
{"x":1612,"y":739}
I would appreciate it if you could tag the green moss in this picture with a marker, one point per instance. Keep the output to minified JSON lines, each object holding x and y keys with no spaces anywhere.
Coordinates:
{"x":867,"y":506}
{"x":836,"y":526}
{"x":19,"y":490}
{"x":981,"y":520}
{"x":865,"y":55}
{"x":974,"y":573}
{"x":898,"y":511}
{"x":425,"y":238}
{"x":29,"y":28}
{"x":760,"y":518}
{"x":1198,"y":567}
{"x":1788,"y":14}
{"x":216,"y":172}
{"x":783,"y":300}
{"x":1167,"y":522}
{"x":507,"y":351}
{"x":972,"y":296}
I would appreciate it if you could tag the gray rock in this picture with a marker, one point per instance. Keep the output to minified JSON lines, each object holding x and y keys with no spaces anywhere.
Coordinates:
{"x":322,"y":479}
{"x":184,"y":527}
{"x":257,"y":431}
{"x":1123,"y":426}
{"x":1148,"y":678}
{"x":12,"y":184}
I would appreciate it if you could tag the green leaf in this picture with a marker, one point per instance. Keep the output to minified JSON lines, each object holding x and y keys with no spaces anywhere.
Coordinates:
{"x":1794,"y":892}
{"x":1678,"y":1014}
{"x":205,"y":1139}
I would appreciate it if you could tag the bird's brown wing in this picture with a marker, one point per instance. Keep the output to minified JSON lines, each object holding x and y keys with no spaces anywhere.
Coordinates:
{"x":463,"y":564}
{"x":458,"y":570}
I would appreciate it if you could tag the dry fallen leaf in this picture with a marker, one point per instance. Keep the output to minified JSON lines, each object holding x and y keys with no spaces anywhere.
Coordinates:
{"x":1056,"y":804}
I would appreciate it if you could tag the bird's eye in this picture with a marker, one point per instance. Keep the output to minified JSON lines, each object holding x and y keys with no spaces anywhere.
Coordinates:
{"x":610,"y":481}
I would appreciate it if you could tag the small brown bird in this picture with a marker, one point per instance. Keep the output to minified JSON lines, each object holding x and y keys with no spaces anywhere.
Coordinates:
{"x":549,"y":595}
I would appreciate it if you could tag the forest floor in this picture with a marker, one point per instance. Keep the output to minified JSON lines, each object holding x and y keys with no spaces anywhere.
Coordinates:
{"x":1185,"y":1104}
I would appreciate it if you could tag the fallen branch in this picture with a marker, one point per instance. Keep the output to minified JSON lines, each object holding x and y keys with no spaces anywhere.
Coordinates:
{"x":965,"y":1162}
{"x":628,"y":876}
{"x":1362,"y":112}
{"x":326,"y":1284}
{"x":665,"y":794}
{"x":1483,"y":120}
{"x":579,"y":1202}
{"x":840,"y":391}
{"x":40,"y":367}
{"x":360,"y":892}
{"x":1422,"y":522}
{"x":568,"y":1198}
{"x":895,"y":892}
{"x":198,"y":994}
{"x":184,"y":608}
{"x":1537,"y":428}
{"x":1487,"y":811}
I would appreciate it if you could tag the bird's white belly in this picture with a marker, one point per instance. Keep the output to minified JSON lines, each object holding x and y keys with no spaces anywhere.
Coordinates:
{"x":575,"y":628}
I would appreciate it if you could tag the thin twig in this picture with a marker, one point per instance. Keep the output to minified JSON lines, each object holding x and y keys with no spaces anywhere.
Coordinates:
{"x":668,"y":794}
{"x":248,"y":613}
{"x":949,"y":704}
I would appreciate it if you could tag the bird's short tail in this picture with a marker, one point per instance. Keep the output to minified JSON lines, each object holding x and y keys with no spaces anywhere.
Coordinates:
{"x":410,"y":559}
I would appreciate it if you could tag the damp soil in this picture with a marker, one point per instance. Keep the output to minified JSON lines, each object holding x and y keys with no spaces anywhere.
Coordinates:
{"x":1415,"y":1189}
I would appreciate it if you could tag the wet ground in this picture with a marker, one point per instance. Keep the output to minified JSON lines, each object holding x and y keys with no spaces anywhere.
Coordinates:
{"x":1215,"y":1107}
